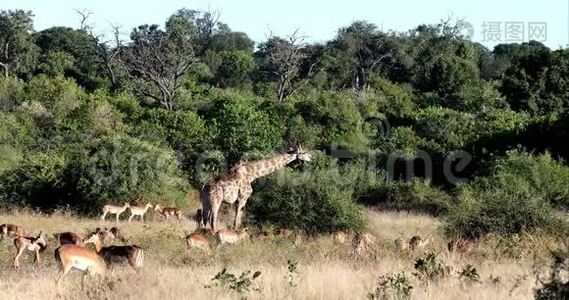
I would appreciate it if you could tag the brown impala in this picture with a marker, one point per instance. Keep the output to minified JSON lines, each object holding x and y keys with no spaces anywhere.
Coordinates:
{"x":168,"y":212}
{"x":114,"y":210}
{"x":68,"y":238}
{"x":11,"y":230}
{"x":69,"y":257}
{"x":196,"y":240}
{"x":34,"y":244}
{"x":226,"y":236}
{"x":133,"y":254}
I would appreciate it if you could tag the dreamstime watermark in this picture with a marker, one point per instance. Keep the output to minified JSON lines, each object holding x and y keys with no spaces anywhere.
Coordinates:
{"x":114,"y":163}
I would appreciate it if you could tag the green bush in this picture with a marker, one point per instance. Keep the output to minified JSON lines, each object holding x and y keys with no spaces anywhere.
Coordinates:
{"x":120,"y":168}
{"x":86,"y":176}
{"x":239,"y":126}
{"x":520,"y":194}
{"x":37,"y":181}
{"x":417,"y":195}
{"x":333,"y":119}
{"x":544,"y":175}
{"x":314,"y":200}
{"x":503,"y":204}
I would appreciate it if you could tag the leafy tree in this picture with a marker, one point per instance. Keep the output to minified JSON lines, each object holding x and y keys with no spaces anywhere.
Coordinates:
{"x":231,"y":41}
{"x":240,"y":128}
{"x":451,"y":73}
{"x":524,"y":80}
{"x":18,"y":50}
{"x":362,"y":49}
{"x":70,"y":52}
{"x":235,"y":69}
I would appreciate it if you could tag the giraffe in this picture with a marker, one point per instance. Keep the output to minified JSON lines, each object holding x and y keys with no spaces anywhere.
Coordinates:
{"x":235,"y":184}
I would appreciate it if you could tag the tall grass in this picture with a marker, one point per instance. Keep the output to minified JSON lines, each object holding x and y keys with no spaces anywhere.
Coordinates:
{"x":325,"y":270}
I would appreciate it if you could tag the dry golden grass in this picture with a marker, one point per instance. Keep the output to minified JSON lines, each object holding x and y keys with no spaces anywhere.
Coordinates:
{"x":326,"y":269}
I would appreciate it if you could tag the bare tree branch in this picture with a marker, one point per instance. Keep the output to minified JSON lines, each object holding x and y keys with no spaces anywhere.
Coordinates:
{"x":157,"y":62}
{"x":84,"y":15}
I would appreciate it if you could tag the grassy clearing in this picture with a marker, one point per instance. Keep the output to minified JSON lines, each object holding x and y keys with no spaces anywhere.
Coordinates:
{"x":325,"y":270}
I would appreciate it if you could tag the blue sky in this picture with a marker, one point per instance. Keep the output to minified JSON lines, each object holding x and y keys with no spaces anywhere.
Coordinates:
{"x":320,"y":19}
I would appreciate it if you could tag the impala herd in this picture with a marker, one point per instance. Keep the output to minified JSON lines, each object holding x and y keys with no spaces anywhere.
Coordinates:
{"x":73,"y":252}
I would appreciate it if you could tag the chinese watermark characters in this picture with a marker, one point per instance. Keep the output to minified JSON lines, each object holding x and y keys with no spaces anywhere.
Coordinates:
{"x":514,"y":31}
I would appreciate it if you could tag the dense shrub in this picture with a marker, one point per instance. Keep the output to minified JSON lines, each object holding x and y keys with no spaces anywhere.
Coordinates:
{"x":334,"y":119}
{"x":120,"y":168}
{"x":87,"y":176}
{"x":239,"y":126}
{"x":519,"y":195}
{"x":546,"y":177}
{"x":37,"y":181}
{"x":417,"y":195}
{"x":503,"y":204}
{"x":313,"y":200}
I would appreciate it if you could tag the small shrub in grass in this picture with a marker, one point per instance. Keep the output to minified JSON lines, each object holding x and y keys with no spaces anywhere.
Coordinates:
{"x":240,"y":284}
{"x":396,"y":286}
{"x":469,"y":274}
{"x":430,"y":268}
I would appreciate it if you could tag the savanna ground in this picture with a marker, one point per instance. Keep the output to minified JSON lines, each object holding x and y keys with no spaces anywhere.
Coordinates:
{"x":508,"y":268}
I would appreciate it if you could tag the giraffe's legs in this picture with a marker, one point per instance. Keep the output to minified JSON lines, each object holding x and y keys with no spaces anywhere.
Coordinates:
{"x":206,"y":207}
{"x":214,"y":212}
{"x":244,"y":194}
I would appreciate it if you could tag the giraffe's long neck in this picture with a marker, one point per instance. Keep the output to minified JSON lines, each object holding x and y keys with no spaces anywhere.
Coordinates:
{"x":267,"y":166}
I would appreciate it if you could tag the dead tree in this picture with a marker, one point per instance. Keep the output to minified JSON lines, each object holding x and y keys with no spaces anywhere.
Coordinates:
{"x":157,"y":63}
{"x":284,"y":57}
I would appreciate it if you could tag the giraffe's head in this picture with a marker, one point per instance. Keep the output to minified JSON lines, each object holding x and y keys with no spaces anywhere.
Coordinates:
{"x":301,"y":154}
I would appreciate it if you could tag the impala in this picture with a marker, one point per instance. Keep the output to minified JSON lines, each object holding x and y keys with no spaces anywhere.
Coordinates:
{"x":110,"y":234}
{"x":69,"y":257}
{"x":68,"y":237}
{"x":116,"y":233}
{"x":226,"y":236}
{"x":11,"y":230}
{"x":361,"y":242}
{"x":196,"y":240}
{"x":138,"y":211}
{"x":168,"y":212}
{"x":205,"y":232}
{"x":340,"y":236}
{"x":401,"y":244}
{"x":417,"y":243}
{"x":114,"y":210}
{"x":34,"y":244}
{"x":460,"y":245}
{"x":133,"y":254}
{"x":285,"y":232}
